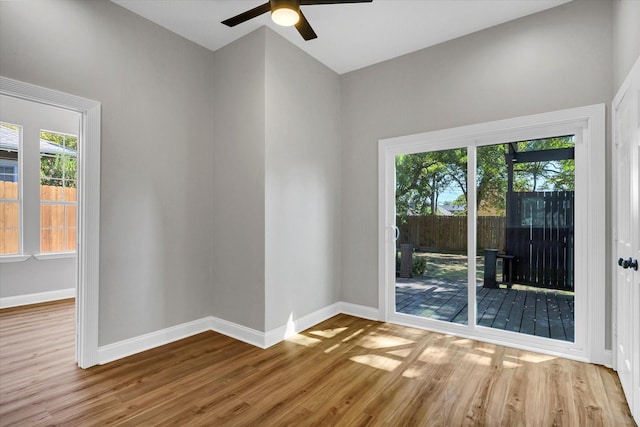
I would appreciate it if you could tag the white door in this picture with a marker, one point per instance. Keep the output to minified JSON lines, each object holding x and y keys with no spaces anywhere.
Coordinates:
{"x":626,"y":158}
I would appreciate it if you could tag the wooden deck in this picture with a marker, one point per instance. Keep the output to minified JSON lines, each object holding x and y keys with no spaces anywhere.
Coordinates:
{"x":540,"y":312}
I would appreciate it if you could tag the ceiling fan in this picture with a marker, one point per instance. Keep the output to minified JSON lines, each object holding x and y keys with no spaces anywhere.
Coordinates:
{"x":287,"y":13}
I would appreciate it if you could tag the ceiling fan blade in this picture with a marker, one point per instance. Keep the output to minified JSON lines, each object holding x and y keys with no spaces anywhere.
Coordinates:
{"x":310,"y":2}
{"x":304,"y":28}
{"x":249,"y":14}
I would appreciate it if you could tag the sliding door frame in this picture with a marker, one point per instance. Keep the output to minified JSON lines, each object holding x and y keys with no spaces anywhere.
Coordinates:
{"x":588,"y":126}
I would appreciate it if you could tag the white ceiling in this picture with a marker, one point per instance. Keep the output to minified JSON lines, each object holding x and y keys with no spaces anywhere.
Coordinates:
{"x":350,"y":36}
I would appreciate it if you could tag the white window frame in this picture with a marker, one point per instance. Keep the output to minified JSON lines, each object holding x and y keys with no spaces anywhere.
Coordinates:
{"x":588,"y":125}
{"x":19,"y":256}
{"x":57,"y":254}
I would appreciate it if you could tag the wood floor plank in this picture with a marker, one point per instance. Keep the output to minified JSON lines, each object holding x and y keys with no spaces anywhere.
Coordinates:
{"x":345,"y":371}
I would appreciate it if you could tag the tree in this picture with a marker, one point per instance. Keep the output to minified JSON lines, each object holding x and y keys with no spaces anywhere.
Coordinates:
{"x":59,"y":169}
{"x":420,"y":179}
{"x":555,"y":175}
{"x":490,"y":174}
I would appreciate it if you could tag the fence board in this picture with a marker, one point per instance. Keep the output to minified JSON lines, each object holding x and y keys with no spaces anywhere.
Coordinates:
{"x":540,"y":235}
{"x":53,"y":219}
{"x":449,"y":233}
{"x":538,"y":232}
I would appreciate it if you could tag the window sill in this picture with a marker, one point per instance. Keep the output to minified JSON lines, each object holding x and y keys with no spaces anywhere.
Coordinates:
{"x":54,"y":255}
{"x":13,"y":258}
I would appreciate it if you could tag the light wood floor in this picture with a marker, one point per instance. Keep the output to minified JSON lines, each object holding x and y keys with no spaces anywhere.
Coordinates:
{"x":346,"y":371}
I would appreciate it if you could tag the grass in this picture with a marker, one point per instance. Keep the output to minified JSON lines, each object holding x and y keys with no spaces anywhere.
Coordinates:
{"x":449,"y":267}
{"x":454,"y":268}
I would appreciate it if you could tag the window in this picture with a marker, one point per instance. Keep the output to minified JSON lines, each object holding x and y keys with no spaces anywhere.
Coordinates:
{"x":8,"y":171}
{"x":56,"y":201}
{"x":58,"y":182}
{"x":10,"y":203}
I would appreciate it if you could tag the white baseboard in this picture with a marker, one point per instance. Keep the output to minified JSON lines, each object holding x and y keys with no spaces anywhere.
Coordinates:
{"x":295,"y":326}
{"x":239,"y":332}
{"x":362,"y":311}
{"x":121,"y":349}
{"x":37,"y":298}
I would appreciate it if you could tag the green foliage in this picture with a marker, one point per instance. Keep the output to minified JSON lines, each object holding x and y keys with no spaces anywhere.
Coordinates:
{"x":557,"y":175}
{"x":8,"y":126}
{"x":66,"y":141}
{"x":60,"y":169}
{"x":418,"y":265}
{"x":422,"y":178}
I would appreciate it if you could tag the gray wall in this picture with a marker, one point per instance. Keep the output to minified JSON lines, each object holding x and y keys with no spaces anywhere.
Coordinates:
{"x":197,"y":152}
{"x":626,"y":38}
{"x":276,"y":183}
{"x":302,"y":183}
{"x":557,"y":59}
{"x":155,"y":90}
{"x":238,"y":166}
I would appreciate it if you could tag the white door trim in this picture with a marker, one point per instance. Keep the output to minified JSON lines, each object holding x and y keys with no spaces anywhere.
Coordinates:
{"x":88,"y":207}
{"x":588,"y":124}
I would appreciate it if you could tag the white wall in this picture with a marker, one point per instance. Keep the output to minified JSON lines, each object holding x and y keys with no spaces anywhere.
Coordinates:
{"x":626,"y":38}
{"x":238,"y":167}
{"x":156,"y":176}
{"x":302,"y":183}
{"x":35,"y":276}
{"x":552,"y":60}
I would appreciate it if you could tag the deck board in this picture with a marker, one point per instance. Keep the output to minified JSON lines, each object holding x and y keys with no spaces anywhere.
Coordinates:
{"x":502,"y":317}
{"x":538,"y":312}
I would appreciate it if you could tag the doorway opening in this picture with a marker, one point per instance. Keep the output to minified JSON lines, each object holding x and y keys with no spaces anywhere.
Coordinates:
{"x":487,"y":232}
{"x":525,"y":232}
{"x":88,"y":207}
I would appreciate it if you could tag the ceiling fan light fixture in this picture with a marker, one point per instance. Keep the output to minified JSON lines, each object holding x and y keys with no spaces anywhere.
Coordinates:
{"x":285,"y":13}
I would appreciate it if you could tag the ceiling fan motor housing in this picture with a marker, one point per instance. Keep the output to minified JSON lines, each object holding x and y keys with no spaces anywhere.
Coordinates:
{"x":289,"y":4}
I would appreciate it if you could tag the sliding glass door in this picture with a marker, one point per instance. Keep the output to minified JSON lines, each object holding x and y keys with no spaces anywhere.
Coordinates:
{"x":492,"y":234}
{"x":523,"y":256}
{"x":525,"y":233}
{"x":432,"y":263}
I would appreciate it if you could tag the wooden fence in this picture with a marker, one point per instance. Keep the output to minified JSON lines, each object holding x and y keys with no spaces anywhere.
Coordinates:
{"x":449,"y":233}
{"x":540,"y":236}
{"x":57,"y":221}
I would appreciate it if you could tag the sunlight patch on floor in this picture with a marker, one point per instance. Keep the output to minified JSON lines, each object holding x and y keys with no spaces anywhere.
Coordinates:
{"x":402,"y":352}
{"x":303,"y":340}
{"x":383,"y":341}
{"x":510,"y":365}
{"x":378,"y":362}
{"x":435,"y":355}
{"x":478,"y":359}
{"x":353,"y":335}
{"x":535,"y":358}
{"x":333,"y":347}
{"x":415,"y":371}
{"x":328,"y":333}
{"x":464,"y":342}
